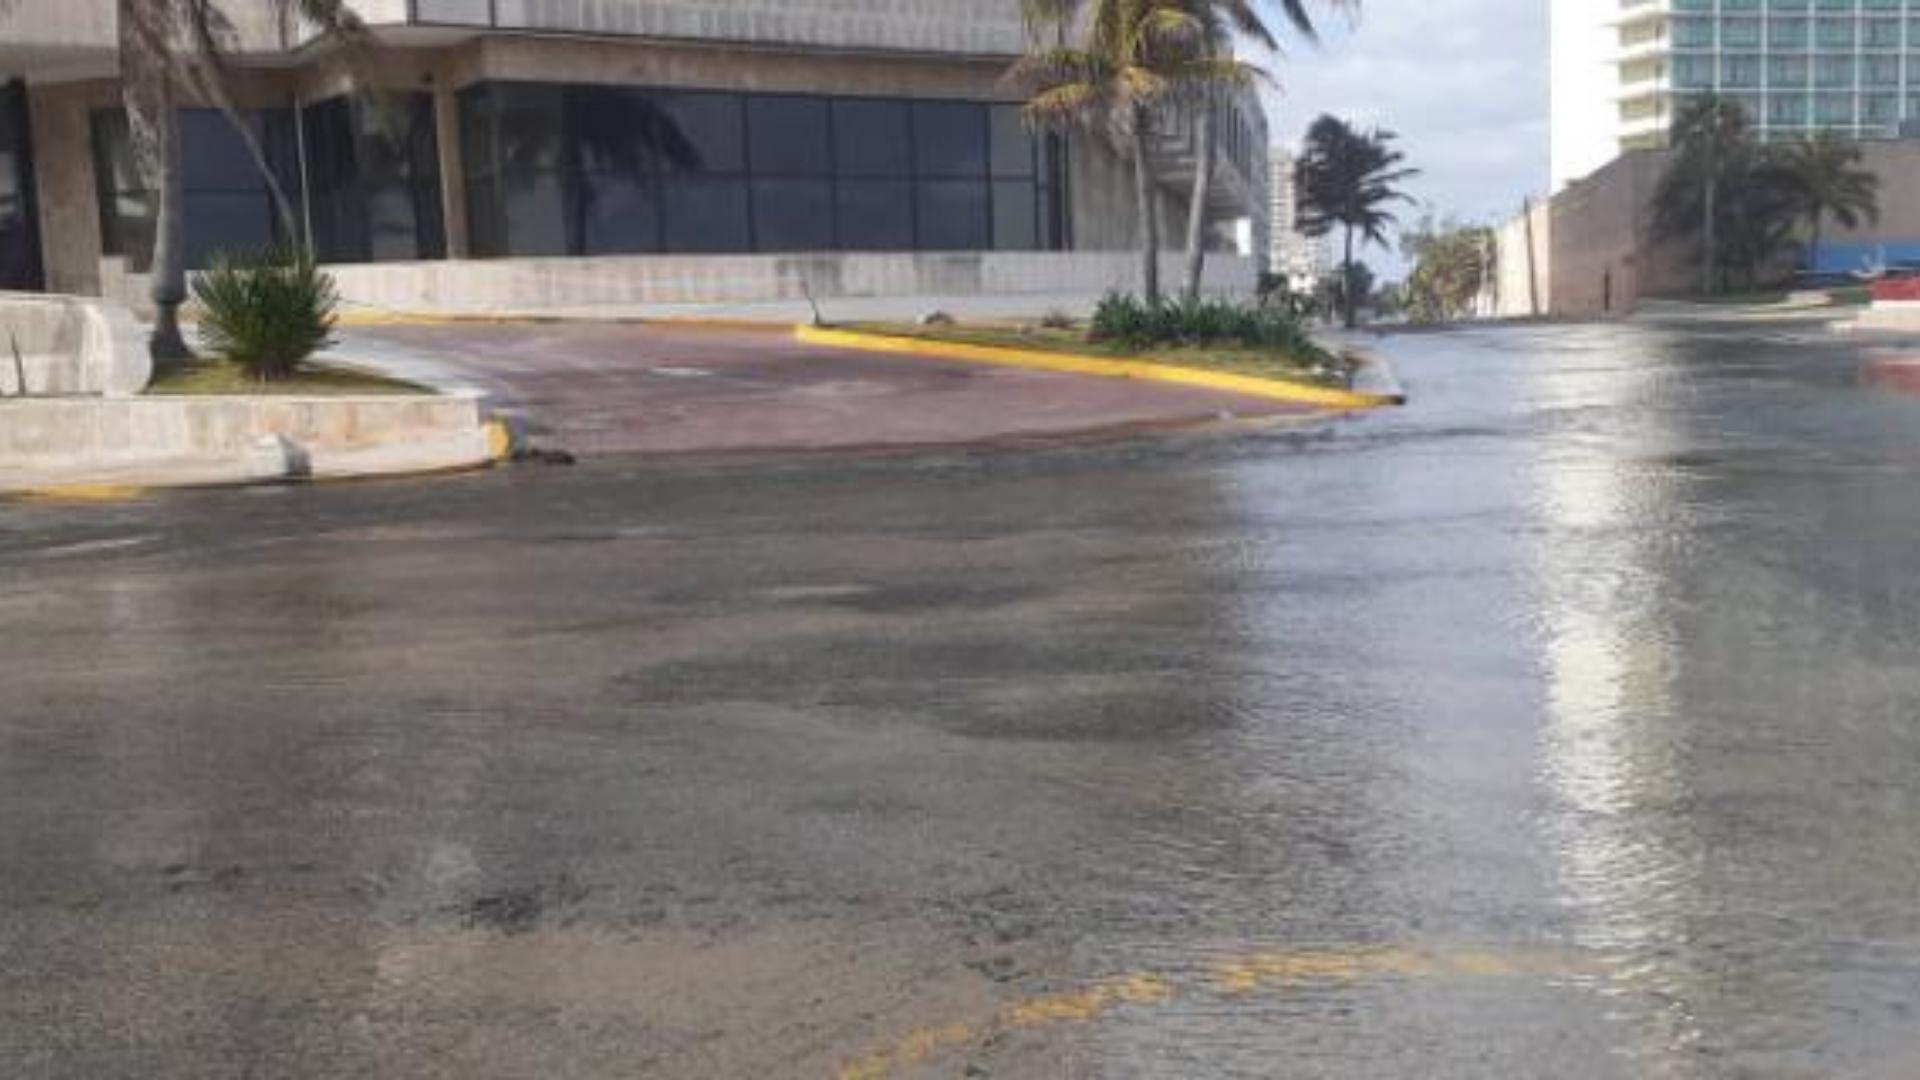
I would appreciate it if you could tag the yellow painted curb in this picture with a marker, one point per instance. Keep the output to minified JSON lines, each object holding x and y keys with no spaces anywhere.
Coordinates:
{"x":715,"y":322}
{"x":82,"y":493}
{"x":499,"y":439}
{"x":1299,"y":393}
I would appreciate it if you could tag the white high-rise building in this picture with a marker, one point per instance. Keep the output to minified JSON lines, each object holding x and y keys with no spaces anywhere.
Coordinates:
{"x":1620,"y":67}
{"x":1302,"y":259}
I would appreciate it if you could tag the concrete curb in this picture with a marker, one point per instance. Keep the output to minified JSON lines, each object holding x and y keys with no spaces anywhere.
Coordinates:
{"x":1298,"y":393}
{"x":54,"y":446}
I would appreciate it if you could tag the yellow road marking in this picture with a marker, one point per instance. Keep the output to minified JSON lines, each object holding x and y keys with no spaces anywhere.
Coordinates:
{"x":1231,"y":977}
{"x":1299,"y":393}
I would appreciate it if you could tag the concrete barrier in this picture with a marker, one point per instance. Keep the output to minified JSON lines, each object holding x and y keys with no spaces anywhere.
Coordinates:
{"x":157,"y":441}
{"x":63,"y":346}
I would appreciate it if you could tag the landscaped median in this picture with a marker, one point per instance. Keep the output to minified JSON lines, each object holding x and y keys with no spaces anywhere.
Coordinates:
{"x":1318,"y":380}
{"x":77,"y":413}
{"x":172,"y":440}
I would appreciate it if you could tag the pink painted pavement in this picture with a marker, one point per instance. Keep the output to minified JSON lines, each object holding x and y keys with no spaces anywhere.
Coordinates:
{"x":604,"y":388}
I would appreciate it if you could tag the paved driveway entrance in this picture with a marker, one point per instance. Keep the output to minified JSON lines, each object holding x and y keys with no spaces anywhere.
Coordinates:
{"x":602,"y":388}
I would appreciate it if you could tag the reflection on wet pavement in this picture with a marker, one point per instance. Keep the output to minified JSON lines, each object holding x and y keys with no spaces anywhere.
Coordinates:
{"x":1562,"y":724}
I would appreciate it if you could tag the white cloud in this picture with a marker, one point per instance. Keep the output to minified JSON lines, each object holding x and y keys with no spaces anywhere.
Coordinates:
{"x":1463,"y":83}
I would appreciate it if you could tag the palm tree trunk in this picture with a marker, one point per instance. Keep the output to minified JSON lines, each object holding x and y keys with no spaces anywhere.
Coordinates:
{"x":168,"y":268}
{"x":1813,"y":245}
{"x":1197,"y":210}
{"x":1348,"y":302}
{"x":1710,"y":236}
{"x":1149,"y":219}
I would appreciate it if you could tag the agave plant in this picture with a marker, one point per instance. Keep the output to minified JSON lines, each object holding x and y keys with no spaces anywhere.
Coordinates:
{"x":268,"y":312}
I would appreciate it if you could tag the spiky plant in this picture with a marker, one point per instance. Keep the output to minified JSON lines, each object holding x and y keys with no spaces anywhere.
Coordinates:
{"x":268,"y":312}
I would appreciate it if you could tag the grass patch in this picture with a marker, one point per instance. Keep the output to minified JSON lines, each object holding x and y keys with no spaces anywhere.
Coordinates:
{"x":222,"y":378}
{"x":1847,"y":295}
{"x":1233,"y":359}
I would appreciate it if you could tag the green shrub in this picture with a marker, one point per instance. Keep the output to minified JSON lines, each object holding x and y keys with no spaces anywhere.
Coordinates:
{"x":266,"y":312}
{"x":1129,"y":323}
{"x":1120,"y":319}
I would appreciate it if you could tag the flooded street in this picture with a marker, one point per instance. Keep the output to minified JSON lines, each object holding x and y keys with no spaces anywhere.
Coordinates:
{"x":1563,"y":724}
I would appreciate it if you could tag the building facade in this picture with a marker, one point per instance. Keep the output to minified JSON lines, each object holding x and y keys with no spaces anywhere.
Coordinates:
{"x":1303,"y":260}
{"x":1621,"y":66}
{"x":529,"y":153}
{"x":1591,"y":250}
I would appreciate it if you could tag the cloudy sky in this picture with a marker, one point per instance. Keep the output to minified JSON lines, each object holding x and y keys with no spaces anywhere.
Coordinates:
{"x":1463,"y":82}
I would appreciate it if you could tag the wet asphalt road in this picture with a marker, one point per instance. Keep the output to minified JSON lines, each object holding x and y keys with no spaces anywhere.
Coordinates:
{"x":1566,"y":724}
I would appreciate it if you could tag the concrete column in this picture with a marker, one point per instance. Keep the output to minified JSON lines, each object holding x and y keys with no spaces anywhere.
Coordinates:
{"x":453,"y":177}
{"x":63,"y":174}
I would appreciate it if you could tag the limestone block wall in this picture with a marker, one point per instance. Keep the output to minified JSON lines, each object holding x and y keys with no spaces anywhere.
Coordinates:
{"x":69,"y":346}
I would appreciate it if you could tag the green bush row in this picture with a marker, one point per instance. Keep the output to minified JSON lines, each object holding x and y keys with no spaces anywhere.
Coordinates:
{"x":1132,"y":323}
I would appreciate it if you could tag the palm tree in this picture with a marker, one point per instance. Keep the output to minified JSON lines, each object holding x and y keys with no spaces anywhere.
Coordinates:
{"x":1738,"y":201}
{"x":1225,"y":17}
{"x":1822,"y":175}
{"x":1347,"y":180}
{"x":1219,"y":20}
{"x":1138,"y":55}
{"x":1713,"y":141}
{"x":172,"y":50}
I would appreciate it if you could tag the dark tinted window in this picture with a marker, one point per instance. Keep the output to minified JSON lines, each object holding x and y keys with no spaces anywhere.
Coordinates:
{"x":19,"y":235}
{"x":529,"y":127}
{"x":1015,"y":219}
{"x":949,"y":139}
{"x":477,"y":130}
{"x":374,"y":173}
{"x":591,"y":169}
{"x":875,"y":215}
{"x":712,"y":126}
{"x":788,"y":136}
{"x":872,"y":138}
{"x":485,"y":230}
{"x":1012,"y":149}
{"x":226,"y":221}
{"x":792,"y":215}
{"x":706,"y":215}
{"x":952,"y":215}
{"x":613,"y":129}
{"x":620,"y":214}
{"x":213,"y":153}
{"x":534,"y":214}
{"x":227,"y":204}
